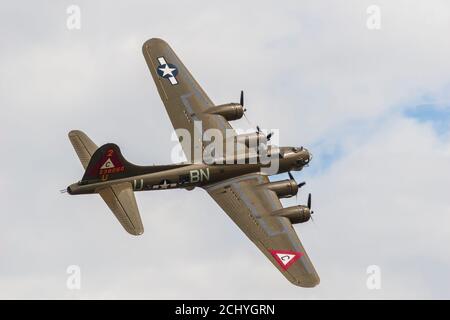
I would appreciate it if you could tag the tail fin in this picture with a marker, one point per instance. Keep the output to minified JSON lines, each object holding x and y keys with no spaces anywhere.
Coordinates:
{"x":107,"y":163}
{"x":120,"y":196}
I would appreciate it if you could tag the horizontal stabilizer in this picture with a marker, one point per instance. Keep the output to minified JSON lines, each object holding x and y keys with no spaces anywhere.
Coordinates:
{"x":122,"y":202}
{"x":83,"y":145}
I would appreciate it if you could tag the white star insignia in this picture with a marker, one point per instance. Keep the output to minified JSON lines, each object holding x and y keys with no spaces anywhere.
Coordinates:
{"x":165,"y":185}
{"x":167,"y":70}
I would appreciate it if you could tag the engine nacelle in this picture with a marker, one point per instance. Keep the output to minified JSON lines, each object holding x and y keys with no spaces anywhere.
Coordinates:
{"x":296,"y":214}
{"x":230,"y":111}
{"x":284,"y":188}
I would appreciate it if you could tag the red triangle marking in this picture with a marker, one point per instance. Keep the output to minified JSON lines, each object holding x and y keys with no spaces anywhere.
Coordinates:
{"x":285,"y":258}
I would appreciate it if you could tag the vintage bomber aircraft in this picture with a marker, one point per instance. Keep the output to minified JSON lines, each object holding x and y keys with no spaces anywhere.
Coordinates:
{"x":242,"y":190}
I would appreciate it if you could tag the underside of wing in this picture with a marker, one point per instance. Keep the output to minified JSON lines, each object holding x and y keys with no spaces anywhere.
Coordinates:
{"x":250,"y":205}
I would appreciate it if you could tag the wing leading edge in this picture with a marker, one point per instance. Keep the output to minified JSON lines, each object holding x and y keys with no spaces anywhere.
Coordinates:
{"x":249,"y":204}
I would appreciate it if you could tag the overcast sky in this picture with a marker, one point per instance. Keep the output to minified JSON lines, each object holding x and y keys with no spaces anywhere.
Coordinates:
{"x":373,"y":106}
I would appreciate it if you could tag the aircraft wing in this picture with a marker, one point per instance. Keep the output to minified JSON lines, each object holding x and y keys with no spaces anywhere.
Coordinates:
{"x":184,"y":99}
{"x":249,"y":205}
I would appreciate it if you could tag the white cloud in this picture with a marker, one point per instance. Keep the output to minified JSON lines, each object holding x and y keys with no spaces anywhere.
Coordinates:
{"x":311,"y":69}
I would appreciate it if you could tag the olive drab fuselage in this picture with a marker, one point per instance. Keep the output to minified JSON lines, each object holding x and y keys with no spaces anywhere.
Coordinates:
{"x":199,"y":175}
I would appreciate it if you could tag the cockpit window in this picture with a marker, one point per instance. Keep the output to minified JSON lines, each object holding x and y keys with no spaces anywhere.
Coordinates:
{"x":296,"y":149}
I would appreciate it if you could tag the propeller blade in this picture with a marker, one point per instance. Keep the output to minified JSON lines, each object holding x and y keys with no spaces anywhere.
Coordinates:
{"x":245,"y":116}
{"x":309,"y":201}
{"x":241,"y":100}
{"x":269,"y":136}
{"x":258,"y":129}
{"x":301,"y":184}
{"x":291,"y":176}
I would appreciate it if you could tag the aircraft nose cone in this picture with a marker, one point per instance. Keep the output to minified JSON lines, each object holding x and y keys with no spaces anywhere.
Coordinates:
{"x":307,"y":156}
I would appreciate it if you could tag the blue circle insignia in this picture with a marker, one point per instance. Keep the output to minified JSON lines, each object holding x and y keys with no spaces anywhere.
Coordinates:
{"x":167,"y":70}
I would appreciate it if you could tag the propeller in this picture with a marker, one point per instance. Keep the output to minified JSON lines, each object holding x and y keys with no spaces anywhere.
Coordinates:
{"x":309,"y":203}
{"x":241,"y":102}
{"x":269,"y":135}
{"x":258,"y":129}
{"x":309,"y":207}
{"x":301,"y":184}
